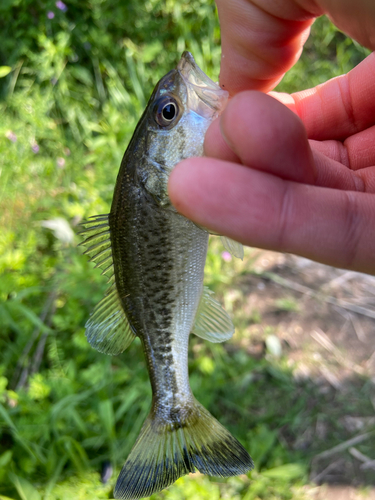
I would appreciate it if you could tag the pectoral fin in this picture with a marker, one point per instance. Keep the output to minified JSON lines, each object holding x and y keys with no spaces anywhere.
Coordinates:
{"x":233,"y":247}
{"x":107,"y":329}
{"x":212,"y":322}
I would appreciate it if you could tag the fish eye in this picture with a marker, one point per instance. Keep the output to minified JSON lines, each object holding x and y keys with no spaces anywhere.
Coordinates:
{"x":166,"y":111}
{"x":169,"y":111}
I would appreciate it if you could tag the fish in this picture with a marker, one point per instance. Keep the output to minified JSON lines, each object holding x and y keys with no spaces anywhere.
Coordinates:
{"x":154,"y":259}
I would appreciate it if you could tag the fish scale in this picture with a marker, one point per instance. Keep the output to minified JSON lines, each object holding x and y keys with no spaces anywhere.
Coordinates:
{"x":157,"y":259}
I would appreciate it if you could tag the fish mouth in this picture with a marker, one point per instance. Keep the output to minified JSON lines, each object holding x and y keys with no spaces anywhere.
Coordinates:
{"x":205,"y":97}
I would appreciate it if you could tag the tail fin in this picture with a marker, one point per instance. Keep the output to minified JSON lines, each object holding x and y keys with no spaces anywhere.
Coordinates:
{"x":165,"y":451}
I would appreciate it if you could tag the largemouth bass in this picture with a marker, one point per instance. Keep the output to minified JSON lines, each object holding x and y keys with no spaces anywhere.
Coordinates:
{"x":155,"y":259}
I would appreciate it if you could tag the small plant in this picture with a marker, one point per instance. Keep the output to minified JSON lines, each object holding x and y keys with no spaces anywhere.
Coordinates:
{"x":287,"y":304}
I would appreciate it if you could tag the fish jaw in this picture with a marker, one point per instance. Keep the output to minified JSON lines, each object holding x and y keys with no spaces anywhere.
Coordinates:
{"x":204,"y":96}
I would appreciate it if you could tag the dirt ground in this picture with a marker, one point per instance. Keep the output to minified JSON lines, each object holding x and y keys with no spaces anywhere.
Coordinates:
{"x":341,"y":493}
{"x":323,"y":319}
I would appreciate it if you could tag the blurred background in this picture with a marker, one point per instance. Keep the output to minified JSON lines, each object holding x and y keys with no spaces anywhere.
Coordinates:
{"x":296,"y":383}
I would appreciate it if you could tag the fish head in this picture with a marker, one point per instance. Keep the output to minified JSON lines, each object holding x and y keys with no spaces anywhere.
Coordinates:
{"x":181,"y":108}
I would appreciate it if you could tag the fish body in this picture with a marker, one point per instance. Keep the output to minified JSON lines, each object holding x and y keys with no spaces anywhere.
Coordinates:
{"x":155,"y":260}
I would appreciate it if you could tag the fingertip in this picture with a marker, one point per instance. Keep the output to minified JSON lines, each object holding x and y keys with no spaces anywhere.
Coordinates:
{"x":286,"y":99}
{"x":180,"y":183}
{"x":175,"y":183}
{"x":260,"y":42}
{"x":197,"y":186}
{"x":267,"y":136}
{"x":215,"y":145}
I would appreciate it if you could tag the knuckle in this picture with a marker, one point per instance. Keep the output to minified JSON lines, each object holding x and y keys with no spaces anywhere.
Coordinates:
{"x":352,"y":229}
{"x":285,"y":212}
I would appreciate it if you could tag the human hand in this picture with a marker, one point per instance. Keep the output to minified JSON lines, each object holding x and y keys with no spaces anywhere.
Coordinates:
{"x":262,"y":39}
{"x":315,"y":198}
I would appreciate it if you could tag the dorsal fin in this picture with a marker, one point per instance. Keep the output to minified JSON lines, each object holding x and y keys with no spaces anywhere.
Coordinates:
{"x":212,"y":322}
{"x":98,"y":242}
{"x":107,"y":329}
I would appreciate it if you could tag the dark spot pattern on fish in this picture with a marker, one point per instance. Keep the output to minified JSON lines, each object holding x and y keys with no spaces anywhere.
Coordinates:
{"x":149,"y":229}
{"x":182,"y":140}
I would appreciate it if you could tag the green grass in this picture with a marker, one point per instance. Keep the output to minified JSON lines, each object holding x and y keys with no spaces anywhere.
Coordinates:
{"x":77,"y":86}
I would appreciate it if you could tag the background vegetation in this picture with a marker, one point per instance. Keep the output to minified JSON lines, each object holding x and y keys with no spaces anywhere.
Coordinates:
{"x":74,"y":79}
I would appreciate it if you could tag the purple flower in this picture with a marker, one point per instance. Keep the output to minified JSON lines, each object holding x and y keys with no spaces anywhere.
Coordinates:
{"x":60,"y":5}
{"x":50,"y":14}
{"x":35,"y":148}
{"x":60,"y":162}
{"x":11,"y":136}
{"x":226,"y":256}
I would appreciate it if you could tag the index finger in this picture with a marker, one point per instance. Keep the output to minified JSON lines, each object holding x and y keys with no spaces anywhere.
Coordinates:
{"x":260,"y":42}
{"x":340,"y":107}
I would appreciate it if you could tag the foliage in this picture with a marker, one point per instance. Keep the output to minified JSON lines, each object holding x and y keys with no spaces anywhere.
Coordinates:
{"x":74,"y":83}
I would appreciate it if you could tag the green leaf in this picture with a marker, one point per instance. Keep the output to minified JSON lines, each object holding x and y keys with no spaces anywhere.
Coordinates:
{"x":31,"y":316}
{"x":4,"y":71}
{"x":25,"y":489}
{"x":107,"y":417}
{"x":286,"y":472}
{"x":74,"y":451}
{"x":82,"y":74}
{"x":6,"y":418}
{"x":5,"y":459}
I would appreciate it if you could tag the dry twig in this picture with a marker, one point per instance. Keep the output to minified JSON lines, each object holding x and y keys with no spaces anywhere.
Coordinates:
{"x":344,"y":446}
{"x":326,"y":298}
{"x":368,"y":463}
{"x":326,"y":342}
